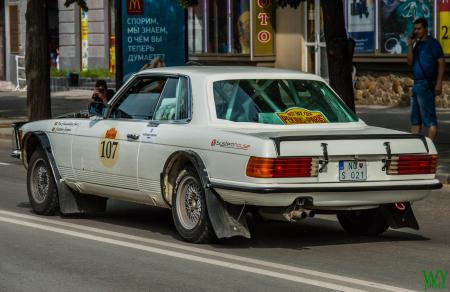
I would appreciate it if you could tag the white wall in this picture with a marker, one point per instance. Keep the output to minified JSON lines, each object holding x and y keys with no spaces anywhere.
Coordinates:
{"x":289,"y":37}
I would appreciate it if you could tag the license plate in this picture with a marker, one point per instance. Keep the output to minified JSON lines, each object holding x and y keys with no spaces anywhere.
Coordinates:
{"x":351,"y":170}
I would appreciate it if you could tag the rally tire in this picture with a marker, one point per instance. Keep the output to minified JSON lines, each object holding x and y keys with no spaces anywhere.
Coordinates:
{"x":363,"y":222}
{"x":41,"y":186}
{"x":189,"y":211}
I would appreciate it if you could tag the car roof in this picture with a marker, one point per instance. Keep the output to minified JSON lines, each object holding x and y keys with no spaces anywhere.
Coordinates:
{"x":217,"y":71}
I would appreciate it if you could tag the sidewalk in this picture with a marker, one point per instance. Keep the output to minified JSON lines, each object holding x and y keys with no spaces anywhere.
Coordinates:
{"x":13,"y":108}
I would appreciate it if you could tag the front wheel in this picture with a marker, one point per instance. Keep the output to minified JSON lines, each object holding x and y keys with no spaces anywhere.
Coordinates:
{"x":363,"y":222}
{"x":189,"y":211}
{"x":41,"y":186}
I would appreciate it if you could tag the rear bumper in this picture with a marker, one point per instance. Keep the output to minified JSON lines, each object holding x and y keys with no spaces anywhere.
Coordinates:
{"x":330,"y":195}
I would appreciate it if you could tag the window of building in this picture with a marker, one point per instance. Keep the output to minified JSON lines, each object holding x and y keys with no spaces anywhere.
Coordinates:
{"x":219,"y":27}
{"x":14,"y":29}
{"x":382,"y":27}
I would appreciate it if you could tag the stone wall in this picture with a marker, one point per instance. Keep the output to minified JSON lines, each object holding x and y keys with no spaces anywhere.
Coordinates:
{"x":392,"y":89}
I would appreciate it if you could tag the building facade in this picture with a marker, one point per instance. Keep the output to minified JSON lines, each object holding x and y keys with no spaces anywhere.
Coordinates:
{"x":245,"y":32}
{"x":218,"y":32}
{"x":77,"y":40}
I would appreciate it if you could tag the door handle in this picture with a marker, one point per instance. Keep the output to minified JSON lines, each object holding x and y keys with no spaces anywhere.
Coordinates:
{"x":132,"y":136}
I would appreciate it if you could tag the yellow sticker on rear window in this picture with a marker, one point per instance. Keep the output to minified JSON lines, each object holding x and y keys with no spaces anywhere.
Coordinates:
{"x":299,"y":115}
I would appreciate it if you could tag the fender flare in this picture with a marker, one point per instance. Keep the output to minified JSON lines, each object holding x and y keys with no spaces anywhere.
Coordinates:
{"x":226,"y":219}
{"x":70,"y":202}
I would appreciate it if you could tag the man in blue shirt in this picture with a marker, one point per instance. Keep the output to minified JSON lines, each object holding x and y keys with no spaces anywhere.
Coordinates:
{"x":427,"y":59}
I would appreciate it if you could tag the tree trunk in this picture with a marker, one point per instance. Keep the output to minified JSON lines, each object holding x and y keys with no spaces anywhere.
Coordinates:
{"x":339,"y":50}
{"x":37,"y":66}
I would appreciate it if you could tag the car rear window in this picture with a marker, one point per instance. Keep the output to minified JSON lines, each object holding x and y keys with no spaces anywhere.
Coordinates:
{"x":279,"y":101}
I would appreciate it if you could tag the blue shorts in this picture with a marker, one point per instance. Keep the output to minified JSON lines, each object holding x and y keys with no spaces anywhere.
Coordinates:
{"x":423,"y":110}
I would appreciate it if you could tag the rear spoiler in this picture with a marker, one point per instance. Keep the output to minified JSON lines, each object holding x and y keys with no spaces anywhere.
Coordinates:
{"x":278,"y":140}
{"x":17,"y":139}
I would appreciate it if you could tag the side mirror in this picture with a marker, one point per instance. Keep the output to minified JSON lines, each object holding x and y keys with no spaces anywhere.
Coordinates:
{"x":96,"y":109}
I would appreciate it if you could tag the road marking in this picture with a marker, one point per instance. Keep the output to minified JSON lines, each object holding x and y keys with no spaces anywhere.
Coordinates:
{"x":4,"y":163}
{"x":327,"y":276}
{"x":180,"y":255}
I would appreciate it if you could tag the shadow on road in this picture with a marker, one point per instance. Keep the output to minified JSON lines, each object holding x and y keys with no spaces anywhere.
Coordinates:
{"x":265,"y":234}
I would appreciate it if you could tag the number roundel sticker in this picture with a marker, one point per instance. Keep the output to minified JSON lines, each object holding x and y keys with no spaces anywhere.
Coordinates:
{"x":109,"y":148}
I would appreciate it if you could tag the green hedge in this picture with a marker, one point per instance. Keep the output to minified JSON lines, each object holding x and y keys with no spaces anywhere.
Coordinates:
{"x":58,"y":73}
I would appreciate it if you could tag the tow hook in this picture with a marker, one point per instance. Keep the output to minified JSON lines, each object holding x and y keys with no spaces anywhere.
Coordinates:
{"x":400,"y":206}
{"x":386,"y":161}
{"x":324,"y":163}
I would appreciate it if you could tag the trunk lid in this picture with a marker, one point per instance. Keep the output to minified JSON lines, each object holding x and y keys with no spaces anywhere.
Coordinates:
{"x":337,"y":149}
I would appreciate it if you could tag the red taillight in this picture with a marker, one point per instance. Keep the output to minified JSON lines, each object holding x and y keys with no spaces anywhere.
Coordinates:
{"x":412,"y":164}
{"x":282,"y":167}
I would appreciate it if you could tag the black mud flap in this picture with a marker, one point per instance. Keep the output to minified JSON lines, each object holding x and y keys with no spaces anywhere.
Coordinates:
{"x":399,"y":215}
{"x":227,"y":220}
{"x":70,"y":202}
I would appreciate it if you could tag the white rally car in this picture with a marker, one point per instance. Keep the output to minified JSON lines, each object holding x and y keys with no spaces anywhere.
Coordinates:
{"x":220,"y":144}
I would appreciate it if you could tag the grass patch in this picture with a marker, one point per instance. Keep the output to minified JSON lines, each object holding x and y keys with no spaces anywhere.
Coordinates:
{"x":57,"y":73}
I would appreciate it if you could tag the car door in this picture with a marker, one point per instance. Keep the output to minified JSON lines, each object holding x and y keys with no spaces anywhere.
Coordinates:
{"x":161,"y":137}
{"x":105,"y":151}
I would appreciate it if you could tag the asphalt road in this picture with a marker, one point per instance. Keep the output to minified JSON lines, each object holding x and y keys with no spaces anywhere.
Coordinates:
{"x":136,"y":248}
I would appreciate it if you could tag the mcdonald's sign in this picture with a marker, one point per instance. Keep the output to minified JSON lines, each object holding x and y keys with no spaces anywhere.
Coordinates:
{"x":135,"y":7}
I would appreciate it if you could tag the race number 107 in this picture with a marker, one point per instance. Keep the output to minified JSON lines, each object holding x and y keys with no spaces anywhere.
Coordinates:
{"x":109,"y":149}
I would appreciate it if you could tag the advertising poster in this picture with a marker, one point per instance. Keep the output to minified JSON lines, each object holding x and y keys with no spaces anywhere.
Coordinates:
{"x":397,"y":22}
{"x":444,"y":25}
{"x":152,"y":29}
{"x":264,"y":38}
{"x":360,"y":24}
{"x":84,"y":40}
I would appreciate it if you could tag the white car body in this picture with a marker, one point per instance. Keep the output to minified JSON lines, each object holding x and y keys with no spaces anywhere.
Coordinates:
{"x":144,"y":148}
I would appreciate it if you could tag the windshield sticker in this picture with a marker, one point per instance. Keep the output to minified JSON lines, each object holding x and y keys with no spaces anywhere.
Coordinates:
{"x":231,"y":145}
{"x":109,"y":148}
{"x":295,"y":116}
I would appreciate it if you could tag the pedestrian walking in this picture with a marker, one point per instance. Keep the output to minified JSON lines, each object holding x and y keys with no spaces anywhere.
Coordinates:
{"x":426,"y":57}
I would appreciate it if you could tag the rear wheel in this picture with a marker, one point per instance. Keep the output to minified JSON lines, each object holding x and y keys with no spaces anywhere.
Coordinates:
{"x":363,"y":222}
{"x":189,"y":211}
{"x":41,"y":186}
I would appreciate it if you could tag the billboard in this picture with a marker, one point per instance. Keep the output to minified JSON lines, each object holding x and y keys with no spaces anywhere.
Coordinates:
{"x":397,"y":22}
{"x":84,"y":40}
{"x":264,"y":35}
{"x":361,"y":24}
{"x":151,"y":29}
{"x":444,"y":25}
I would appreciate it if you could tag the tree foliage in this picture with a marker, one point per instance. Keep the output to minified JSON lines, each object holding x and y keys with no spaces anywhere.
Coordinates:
{"x":81,"y":3}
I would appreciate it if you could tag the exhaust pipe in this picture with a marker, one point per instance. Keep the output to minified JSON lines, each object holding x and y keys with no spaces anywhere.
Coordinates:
{"x":285,"y":215}
{"x":301,"y":214}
